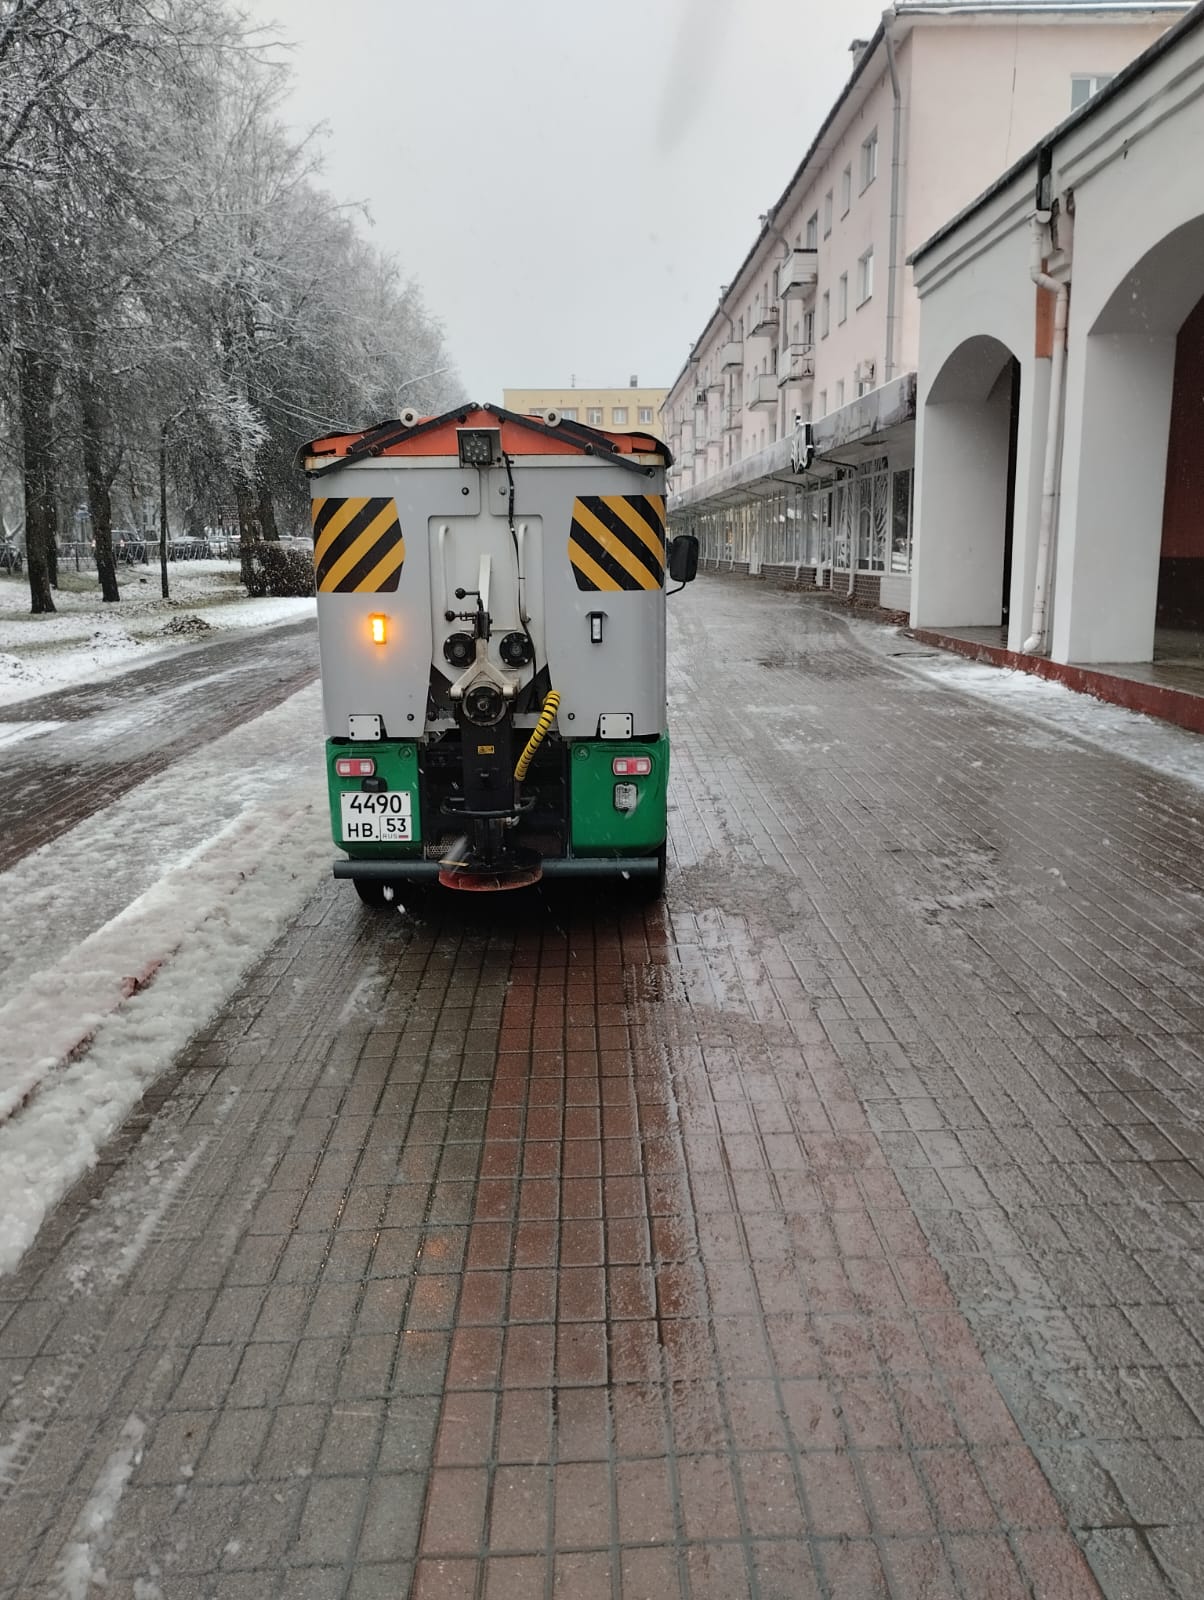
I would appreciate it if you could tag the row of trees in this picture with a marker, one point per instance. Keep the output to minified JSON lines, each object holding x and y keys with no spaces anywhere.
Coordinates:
{"x":182,"y":303}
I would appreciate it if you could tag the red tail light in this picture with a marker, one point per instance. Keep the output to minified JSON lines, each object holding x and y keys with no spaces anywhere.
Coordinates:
{"x":631,"y":766}
{"x":355,"y":767}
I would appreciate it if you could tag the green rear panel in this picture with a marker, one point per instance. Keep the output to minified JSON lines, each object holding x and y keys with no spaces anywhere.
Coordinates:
{"x":597,"y":827}
{"x":397,"y":763}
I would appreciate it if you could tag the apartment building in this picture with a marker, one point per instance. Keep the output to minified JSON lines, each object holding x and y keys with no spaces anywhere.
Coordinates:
{"x":636,"y":406}
{"x":1079,"y":452}
{"x":793,"y":418}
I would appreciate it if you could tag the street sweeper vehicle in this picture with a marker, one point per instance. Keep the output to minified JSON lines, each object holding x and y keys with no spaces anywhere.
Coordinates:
{"x":491,"y":623}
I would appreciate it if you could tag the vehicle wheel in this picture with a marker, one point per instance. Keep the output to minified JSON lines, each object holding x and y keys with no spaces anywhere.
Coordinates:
{"x":646,"y":891}
{"x":372,"y":892}
{"x":415,"y":897}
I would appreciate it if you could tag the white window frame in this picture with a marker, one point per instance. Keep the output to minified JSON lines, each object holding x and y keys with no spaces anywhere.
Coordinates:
{"x":569,"y":414}
{"x":593,"y":416}
{"x":846,"y":190}
{"x":827,"y":213}
{"x":618,"y":415}
{"x":823,"y":402}
{"x":865,"y":277}
{"x":869,"y":160}
{"x":839,"y":393}
{"x":1094,"y":82}
{"x":842,"y":298}
{"x":812,"y":233}
{"x":825,"y":314}
{"x":645,"y":414}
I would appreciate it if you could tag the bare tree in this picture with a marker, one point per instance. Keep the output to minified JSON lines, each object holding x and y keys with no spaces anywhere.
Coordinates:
{"x":181,"y":298}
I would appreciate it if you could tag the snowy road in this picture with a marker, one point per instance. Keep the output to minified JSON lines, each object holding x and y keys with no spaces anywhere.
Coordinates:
{"x":68,"y":754}
{"x":159,"y":828}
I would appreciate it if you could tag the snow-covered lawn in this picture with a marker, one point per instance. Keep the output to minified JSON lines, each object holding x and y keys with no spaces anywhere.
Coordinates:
{"x":120,"y":939}
{"x":85,"y":638}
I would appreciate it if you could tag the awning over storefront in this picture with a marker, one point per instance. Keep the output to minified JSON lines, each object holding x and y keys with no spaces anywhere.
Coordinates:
{"x":863,"y":429}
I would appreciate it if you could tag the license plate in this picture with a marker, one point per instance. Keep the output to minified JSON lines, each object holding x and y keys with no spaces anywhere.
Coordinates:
{"x":376,"y":818}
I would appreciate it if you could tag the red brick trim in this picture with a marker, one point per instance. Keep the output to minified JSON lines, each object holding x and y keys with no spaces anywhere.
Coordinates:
{"x":1185,"y":710}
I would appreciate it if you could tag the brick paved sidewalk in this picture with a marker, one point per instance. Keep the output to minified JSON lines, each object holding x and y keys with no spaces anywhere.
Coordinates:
{"x":834,"y":1234}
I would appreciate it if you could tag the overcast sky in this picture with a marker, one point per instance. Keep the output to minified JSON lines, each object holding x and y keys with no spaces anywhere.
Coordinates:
{"x":570,"y":182}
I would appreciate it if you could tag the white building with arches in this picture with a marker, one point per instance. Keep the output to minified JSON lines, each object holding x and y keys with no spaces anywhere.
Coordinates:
{"x":820,"y":320}
{"x":1060,"y":493}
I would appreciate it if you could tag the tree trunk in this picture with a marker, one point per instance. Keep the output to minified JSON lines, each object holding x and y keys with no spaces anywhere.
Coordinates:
{"x":267,"y":515}
{"x":163,"y":531}
{"x":35,"y":379}
{"x":250,"y":535}
{"x":100,"y":501}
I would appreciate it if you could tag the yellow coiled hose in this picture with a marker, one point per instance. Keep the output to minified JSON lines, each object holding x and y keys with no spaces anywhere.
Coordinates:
{"x":538,"y":734}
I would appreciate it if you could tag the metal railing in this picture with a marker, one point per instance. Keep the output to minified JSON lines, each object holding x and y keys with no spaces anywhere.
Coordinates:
{"x":81,"y":554}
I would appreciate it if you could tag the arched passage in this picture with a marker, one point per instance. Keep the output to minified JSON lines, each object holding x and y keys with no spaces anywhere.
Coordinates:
{"x":966,"y":488}
{"x":1122,"y":454}
{"x":1180,"y":604}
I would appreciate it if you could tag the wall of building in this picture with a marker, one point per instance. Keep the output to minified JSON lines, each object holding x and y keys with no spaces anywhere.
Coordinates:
{"x":1138,"y":267}
{"x":580,"y":402}
{"x":976,"y":92}
{"x":982,"y":93}
{"x":860,"y":335}
{"x":1130,"y":489}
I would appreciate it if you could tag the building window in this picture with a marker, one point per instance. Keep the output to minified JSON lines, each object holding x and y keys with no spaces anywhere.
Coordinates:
{"x":869,"y":160}
{"x":865,"y":276}
{"x":840,"y":394}
{"x":827,"y":213}
{"x":900,"y":522}
{"x":825,"y":314}
{"x":842,"y":297}
{"x":813,"y":231}
{"x":808,"y":327}
{"x":618,"y":416}
{"x":594,"y":416}
{"x":823,"y":402}
{"x":1084,"y":85}
{"x":645,"y":414}
{"x":569,"y":414}
{"x":846,"y":190}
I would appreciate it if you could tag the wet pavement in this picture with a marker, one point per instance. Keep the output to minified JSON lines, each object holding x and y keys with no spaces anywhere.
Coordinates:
{"x":90,"y":744}
{"x":833,"y":1231}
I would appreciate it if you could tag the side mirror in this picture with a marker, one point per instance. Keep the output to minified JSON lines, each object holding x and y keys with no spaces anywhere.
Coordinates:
{"x":683,"y":558}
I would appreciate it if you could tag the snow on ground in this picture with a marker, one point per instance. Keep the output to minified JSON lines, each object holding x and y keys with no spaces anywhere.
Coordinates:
{"x":86,"y":639}
{"x":128,"y":933}
{"x":79,"y":1566}
{"x":1058,"y":713}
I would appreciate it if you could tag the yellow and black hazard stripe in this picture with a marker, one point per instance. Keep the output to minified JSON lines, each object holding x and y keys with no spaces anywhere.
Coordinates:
{"x":358,"y":546}
{"x":617,"y":541}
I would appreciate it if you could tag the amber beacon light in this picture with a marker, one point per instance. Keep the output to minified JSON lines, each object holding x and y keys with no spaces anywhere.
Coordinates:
{"x":378,"y":629}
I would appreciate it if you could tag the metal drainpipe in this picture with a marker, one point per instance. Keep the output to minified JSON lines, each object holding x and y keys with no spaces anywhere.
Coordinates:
{"x":1053,"y":432}
{"x":896,"y":174}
